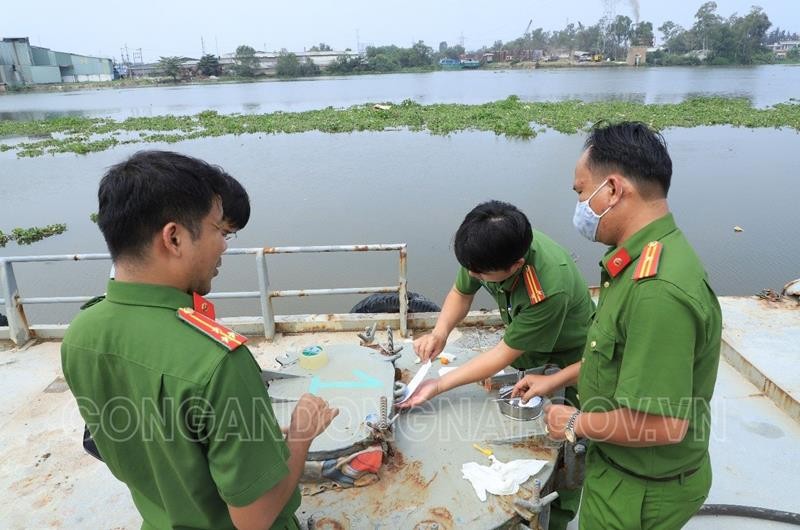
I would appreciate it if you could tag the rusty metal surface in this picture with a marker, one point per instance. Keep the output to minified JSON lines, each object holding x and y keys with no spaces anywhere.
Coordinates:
{"x":420,"y":485}
{"x":353,"y":380}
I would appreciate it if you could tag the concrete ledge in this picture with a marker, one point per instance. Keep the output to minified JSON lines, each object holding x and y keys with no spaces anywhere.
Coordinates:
{"x":761,"y":340}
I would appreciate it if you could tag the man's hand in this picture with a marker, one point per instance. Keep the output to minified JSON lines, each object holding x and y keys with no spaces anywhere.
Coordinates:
{"x":429,"y":346}
{"x":425,"y":391}
{"x":311,"y":416}
{"x":556,"y":418}
{"x":534,"y":385}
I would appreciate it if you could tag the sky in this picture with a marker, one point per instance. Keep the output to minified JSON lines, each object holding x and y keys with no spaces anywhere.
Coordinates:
{"x":165,"y":28}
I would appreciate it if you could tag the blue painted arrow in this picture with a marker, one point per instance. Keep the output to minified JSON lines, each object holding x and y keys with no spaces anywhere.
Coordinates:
{"x":363,"y":381}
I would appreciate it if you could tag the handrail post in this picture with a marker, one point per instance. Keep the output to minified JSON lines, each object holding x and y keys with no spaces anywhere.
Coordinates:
{"x":17,"y":323}
{"x":267,"y":312}
{"x":403,"y":292}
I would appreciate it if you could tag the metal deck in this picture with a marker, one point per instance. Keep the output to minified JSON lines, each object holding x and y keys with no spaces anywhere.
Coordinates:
{"x":49,"y":482}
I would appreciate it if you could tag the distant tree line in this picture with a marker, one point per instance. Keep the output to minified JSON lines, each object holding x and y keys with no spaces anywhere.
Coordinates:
{"x":712,"y":39}
{"x":732,"y":40}
{"x":385,"y":59}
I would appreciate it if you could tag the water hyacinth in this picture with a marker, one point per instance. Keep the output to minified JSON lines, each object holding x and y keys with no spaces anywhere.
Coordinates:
{"x":510,"y":117}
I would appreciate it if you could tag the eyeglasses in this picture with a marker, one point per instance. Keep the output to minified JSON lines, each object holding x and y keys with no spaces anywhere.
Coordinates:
{"x":225,"y":233}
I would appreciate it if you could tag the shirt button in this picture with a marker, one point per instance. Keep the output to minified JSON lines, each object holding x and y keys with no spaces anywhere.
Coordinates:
{"x":593,"y":343}
{"x":606,"y":285}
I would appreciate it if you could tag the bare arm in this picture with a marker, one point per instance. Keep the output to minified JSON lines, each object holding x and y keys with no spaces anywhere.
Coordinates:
{"x":311,"y":416}
{"x":456,"y":306}
{"x":631,"y":428}
{"x":484,"y":365}
{"x":478,"y":368}
{"x":623,"y":426}
{"x":544,"y":385}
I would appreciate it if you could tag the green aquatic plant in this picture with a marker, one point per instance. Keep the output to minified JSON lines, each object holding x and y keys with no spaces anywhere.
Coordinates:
{"x":511,"y":117}
{"x":28,"y":236}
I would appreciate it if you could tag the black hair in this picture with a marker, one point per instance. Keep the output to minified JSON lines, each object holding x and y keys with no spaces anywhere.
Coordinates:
{"x":492,"y":237}
{"x":634,"y":150}
{"x":139,"y":196}
{"x":235,"y":203}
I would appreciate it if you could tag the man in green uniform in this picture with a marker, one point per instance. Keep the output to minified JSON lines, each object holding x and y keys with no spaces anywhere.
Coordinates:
{"x":543,"y":300}
{"x":173,"y":400}
{"x":650,"y":362}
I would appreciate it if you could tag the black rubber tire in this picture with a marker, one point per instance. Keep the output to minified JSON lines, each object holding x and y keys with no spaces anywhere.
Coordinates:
{"x":390,"y":303}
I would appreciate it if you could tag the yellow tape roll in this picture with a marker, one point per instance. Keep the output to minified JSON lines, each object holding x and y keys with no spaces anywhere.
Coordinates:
{"x":313,"y":358}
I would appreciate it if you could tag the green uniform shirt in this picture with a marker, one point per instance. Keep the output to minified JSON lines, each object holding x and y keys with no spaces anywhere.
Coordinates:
{"x":654,"y":347}
{"x":550,"y":331}
{"x":183,"y":422}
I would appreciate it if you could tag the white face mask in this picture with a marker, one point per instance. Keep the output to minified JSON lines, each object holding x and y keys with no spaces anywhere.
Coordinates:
{"x":585,"y":220}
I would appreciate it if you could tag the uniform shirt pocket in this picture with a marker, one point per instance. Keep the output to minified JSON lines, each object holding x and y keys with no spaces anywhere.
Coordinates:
{"x":600,"y":369}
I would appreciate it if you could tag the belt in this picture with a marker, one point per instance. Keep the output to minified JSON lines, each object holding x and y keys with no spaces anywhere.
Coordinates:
{"x":679,"y":476}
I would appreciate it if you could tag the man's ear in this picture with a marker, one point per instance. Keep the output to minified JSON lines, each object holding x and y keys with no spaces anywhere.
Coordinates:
{"x":617,"y":187}
{"x":171,"y":238}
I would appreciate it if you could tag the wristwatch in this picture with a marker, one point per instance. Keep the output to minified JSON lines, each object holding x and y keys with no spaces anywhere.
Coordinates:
{"x":569,"y":431}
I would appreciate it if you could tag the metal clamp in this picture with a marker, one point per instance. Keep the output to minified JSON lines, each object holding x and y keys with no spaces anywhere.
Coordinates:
{"x":536,"y":507}
{"x":368,"y":337}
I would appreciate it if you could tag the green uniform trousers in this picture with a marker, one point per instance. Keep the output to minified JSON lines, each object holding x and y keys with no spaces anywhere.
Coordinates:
{"x":565,"y":507}
{"x":614,"y":500}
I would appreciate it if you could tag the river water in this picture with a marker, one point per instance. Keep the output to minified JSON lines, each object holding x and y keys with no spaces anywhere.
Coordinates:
{"x":399,"y":186}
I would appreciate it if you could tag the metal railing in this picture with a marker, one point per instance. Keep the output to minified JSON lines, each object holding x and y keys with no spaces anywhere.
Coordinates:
{"x":20,"y":331}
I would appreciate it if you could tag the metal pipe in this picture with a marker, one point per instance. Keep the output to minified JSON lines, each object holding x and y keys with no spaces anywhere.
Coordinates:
{"x":341,"y":290}
{"x":55,"y":300}
{"x":334,"y":248}
{"x":232,"y":294}
{"x":267,"y":313}
{"x":55,"y":257}
{"x":403,"y":292}
{"x":18,"y":329}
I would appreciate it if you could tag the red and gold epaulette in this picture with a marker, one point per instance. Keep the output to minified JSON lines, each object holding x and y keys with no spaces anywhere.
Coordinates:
{"x":532,"y":284}
{"x":211,"y":328}
{"x":648,"y":261}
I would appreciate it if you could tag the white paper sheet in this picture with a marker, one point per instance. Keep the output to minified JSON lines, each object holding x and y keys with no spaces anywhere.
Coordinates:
{"x":417,"y":379}
{"x":444,"y":369}
{"x":501,"y":478}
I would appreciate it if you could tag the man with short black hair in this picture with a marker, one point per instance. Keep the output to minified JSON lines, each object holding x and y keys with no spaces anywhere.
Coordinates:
{"x":543,"y":300}
{"x":235,"y":206}
{"x":650,"y":363}
{"x":174,"y":400}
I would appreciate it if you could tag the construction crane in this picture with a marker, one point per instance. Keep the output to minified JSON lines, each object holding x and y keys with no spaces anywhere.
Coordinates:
{"x":528,"y":29}
{"x":521,"y":50}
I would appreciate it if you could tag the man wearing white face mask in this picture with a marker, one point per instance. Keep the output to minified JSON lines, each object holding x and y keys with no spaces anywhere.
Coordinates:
{"x":650,"y":362}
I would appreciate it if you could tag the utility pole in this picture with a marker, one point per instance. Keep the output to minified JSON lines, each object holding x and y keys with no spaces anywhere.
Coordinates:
{"x":137,"y":56}
{"x":202,"y":45}
{"x":358,"y":42}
